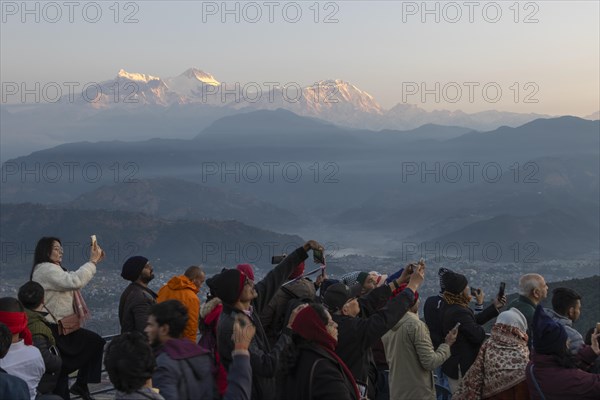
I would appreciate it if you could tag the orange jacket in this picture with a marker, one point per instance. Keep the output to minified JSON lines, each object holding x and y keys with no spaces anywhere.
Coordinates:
{"x":183,"y":289}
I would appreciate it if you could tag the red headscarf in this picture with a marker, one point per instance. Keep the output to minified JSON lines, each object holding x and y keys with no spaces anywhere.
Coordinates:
{"x":17,"y":323}
{"x":309,"y":325}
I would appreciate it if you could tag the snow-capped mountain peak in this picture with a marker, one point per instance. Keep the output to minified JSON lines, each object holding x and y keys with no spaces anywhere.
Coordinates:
{"x":192,"y":83}
{"x":204,"y":77}
{"x":136,"y":77}
{"x":339,"y":91}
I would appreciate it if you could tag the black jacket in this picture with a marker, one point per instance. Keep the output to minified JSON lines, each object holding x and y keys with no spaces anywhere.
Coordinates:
{"x":263,"y":359}
{"x":432,"y":311}
{"x":357,"y":335}
{"x":328,"y":382}
{"x":134,"y":307}
{"x":470,"y":336}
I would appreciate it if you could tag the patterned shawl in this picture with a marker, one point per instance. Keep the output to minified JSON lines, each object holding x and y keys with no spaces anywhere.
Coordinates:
{"x":499,"y":365}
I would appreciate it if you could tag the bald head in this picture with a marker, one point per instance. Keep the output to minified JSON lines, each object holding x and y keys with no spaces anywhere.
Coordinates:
{"x":196,"y":275}
{"x":533,"y":286}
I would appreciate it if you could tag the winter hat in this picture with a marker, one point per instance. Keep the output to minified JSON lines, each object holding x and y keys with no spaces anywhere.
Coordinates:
{"x":549,"y":337}
{"x":441,"y":272}
{"x":362,"y":277}
{"x":298,"y":271}
{"x":338,"y":294}
{"x":513,"y":317}
{"x":227,"y":285}
{"x":454,"y":283}
{"x":325,"y":285}
{"x":246,"y":269}
{"x":132,"y":268}
{"x":353,"y":278}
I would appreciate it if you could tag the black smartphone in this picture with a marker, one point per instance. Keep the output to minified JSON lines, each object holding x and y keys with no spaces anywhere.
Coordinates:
{"x":318,"y":257}
{"x":501,"y":290}
{"x":277,"y":259}
{"x":474,"y":292}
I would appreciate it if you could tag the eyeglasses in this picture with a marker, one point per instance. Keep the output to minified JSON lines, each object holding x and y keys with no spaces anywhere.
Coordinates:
{"x":58,"y":248}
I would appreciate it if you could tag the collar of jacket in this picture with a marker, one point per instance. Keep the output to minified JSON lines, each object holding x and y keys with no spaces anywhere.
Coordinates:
{"x":146,"y":289}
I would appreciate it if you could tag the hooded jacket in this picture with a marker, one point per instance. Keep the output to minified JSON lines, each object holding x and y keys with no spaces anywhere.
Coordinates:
{"x":412,"y":359}
{"x":183,"y":371}
{"x":557,"y":382}
{"x":181,"y":288}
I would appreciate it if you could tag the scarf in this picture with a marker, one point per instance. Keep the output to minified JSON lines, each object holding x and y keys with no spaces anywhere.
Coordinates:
{"x":17,"y":323}
{"x":310,"y":326}
{"x":80,"y":307}
{"x":500,"y":364}
{"x":452,"y":298}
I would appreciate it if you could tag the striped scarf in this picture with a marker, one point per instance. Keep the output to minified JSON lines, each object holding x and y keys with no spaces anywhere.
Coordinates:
{"x":459,"y":299}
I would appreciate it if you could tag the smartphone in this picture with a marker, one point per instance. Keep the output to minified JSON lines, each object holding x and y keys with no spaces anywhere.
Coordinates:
{"x":457,"y":325}
{"x":474,"y":292}
{"x":598,"y":327}
{"x":501,"y":290}
{"x":318,"y":257}
{"x":277,"y":259}
{"x":93,"y":237}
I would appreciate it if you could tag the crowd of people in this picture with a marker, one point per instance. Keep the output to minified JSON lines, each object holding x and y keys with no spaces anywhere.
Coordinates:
{"x":289,"y":337}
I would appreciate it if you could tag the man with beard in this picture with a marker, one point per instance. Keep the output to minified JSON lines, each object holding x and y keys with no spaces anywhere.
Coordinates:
{"x":137,"y":298}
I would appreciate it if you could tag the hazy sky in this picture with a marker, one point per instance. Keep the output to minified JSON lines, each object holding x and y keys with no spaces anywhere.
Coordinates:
{"x":382,"y":47}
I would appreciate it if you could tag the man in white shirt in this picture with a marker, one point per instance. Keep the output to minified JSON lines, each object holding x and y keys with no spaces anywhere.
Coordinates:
{"x":23,"y":360}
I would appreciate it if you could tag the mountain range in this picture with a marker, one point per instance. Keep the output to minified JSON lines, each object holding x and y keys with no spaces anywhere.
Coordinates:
{"x":348,"y":184}
{"x":123,"y":234}
{"x":136,"y":106}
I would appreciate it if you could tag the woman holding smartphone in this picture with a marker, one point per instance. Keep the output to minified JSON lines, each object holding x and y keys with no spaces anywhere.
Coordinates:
{"x":471,"y":334}
{"x":80,"y":349}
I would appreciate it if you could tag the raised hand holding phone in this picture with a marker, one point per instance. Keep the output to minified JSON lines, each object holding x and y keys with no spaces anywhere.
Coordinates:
{"x":96,"y":253}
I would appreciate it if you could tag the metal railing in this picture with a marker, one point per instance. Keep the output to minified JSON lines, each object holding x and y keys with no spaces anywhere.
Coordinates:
{"x":108,"y":338}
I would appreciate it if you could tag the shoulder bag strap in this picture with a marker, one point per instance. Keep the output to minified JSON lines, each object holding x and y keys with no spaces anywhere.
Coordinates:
{"x":535,"y":383}
{"x":310,"y":381}
{"x":52,"y":315}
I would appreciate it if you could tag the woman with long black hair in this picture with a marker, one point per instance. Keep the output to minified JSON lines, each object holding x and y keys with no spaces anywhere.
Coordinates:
{"x":80,"y":349}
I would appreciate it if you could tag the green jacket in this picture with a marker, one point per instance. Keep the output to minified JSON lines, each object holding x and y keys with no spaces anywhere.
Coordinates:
{"x":412,"y":359}
{"x":36,"y":322}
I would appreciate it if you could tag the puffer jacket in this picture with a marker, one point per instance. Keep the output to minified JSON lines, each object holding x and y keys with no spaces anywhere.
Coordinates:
{"x":181,"y":288}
